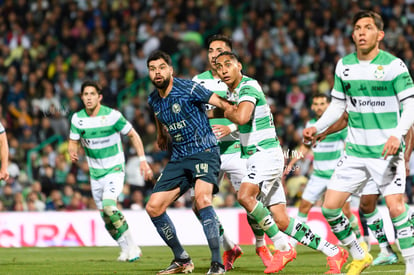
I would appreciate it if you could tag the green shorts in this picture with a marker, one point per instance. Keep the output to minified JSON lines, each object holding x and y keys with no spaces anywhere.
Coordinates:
{"x":184,"y":172}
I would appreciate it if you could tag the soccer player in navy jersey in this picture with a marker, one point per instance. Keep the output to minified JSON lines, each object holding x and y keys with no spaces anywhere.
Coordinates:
{"x":179,"y":108}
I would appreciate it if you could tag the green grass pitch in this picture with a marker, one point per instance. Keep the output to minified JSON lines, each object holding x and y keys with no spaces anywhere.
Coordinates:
{"x":102,"y":260}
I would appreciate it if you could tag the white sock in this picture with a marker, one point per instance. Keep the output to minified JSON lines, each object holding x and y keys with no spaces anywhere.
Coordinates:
{"x":228,"y":244}
{"x":328,"y":249}
{"x":356,"y":250}
{"x":280,"y":242}
{"x":409,"y":266}
{"x":260,"y":241}
{"x":386,"y":249}
{"x":123,"y":243}
{"x":129,"y":238}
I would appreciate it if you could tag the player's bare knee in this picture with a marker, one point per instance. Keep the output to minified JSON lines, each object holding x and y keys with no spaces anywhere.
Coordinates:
{"x":202,"y":201}
{"x":366,"y":208}
{"x":247,"y":201}
{"x":282,"y":222}
{"x":396,"y":209}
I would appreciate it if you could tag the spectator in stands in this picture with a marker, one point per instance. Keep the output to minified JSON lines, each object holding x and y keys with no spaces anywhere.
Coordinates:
{"x":54,"y":201}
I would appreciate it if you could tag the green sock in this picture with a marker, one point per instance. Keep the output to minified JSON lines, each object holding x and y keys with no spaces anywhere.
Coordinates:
{"x":263,"y":217}
{"x":339,"y":224}
{"x":404,"y":232}
{"x":257,"y":231}
{"x":376,"y":225}
{"x":116,"y":218}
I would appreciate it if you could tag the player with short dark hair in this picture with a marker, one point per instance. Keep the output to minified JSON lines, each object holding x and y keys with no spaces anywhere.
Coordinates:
{"x":377,"y":91}
{"x":179,"y":108}
{"x":98,"y":129}
{"x":261,"y":188}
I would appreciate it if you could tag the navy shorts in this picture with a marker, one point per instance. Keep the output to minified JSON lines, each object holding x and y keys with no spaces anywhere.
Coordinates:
{"x":184,"y":172}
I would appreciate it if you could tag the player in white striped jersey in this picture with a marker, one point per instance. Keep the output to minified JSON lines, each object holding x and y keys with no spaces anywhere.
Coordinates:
{"x":369,"y":198}
{"x":98,"y":129}
{"x":261,"y":189}
{"x":228,"y":140}
{"x":372,"y":86}
{"x":325,"y":157}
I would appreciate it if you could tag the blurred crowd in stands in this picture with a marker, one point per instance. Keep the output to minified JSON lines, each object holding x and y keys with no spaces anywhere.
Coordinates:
{"x":49,"y":47}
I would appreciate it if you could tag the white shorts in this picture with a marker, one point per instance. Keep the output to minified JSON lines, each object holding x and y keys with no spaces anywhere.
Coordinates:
{"x":235,"y":168}
{"x":265,"y":168}
{"x":352,"y":174}
{"x":315,"y":188}
{"x":108,"y":187}
{"x":371,"y":188}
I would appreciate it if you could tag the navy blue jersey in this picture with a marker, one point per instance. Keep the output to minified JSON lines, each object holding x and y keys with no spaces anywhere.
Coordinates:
{"x":183,"y":114}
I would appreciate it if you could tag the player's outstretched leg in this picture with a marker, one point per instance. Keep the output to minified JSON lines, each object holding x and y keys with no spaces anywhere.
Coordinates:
{"x":285,"y":253}
{"x":336,"y":256}
{"x":182,"y":262}
{"x":117,"y":226}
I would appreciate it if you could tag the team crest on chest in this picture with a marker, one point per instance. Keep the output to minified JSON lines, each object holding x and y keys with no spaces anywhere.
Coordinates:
{"x":103,"y":120}
{"x":176,"y":108}
{"x":379,"y":72}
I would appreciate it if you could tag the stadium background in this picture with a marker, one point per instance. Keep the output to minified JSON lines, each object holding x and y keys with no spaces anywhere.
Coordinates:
{"x":48,"y":48}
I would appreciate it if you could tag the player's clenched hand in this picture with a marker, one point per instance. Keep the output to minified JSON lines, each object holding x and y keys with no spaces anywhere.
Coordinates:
{"x":221,"y":131}
{"x":4,"y":175}
{"x":308,"y":134}
{"x":391,"y":146}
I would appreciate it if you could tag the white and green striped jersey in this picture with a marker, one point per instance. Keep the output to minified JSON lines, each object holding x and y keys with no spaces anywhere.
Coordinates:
{"x":101,"y":139}
{"x":229,"y":144}
{"x":259,"y":132}
{"x":327,"y":152}
{"x":373,"y":92}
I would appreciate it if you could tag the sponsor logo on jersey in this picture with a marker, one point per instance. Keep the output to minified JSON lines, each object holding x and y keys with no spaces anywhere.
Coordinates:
{"x":379,"y":72}
{"x":177,"y":125}
{"x":362,"y":103}
{"x":176,"y":108}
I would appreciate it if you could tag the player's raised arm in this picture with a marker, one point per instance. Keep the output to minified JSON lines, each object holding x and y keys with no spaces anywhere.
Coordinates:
{"x":336,"y":127}
{"x":242,"y":114}
{"x":220,"y":102}
{"x":136,"y":142}
{"x":73,"y":150}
